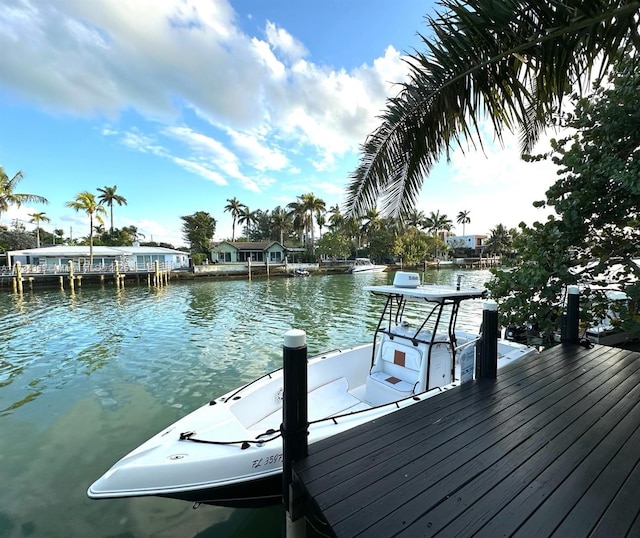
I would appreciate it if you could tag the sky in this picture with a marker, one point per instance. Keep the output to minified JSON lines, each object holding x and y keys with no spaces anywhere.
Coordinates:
{"x":184,"y":104}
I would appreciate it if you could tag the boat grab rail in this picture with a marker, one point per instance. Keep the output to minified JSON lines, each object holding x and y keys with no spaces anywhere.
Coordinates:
{"x":467,"y":344}
{"x":276,"y":434}
{"x":269,"y":375}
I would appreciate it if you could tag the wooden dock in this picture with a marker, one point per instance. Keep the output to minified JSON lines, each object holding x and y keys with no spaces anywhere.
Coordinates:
{"x":550,"y":448}
{"x":73,"y":275}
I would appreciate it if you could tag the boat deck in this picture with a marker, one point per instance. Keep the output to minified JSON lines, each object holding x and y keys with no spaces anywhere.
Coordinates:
{"x":549,"y":448}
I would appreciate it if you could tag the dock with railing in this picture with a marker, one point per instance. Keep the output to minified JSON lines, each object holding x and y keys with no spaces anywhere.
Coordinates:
{"x":72,"y":275}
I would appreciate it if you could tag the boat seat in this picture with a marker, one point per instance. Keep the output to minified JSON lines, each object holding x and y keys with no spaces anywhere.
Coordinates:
{"x":395,"y":374}
{"x":327,"y":400}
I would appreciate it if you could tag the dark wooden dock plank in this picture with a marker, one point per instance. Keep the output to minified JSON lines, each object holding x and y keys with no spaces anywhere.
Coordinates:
{"x":449,"y":408}
{"x":536,"y":429}
{"x":440,"y":434}
{"x":525,"y":454}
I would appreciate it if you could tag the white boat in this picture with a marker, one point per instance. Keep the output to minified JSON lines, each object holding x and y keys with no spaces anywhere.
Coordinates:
{"x":609,"y":330}
{"x":229,"y":451}
{"x":365,"y":265}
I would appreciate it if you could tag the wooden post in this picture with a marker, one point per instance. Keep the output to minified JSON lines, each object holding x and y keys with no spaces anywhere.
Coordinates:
{"x":249,"y":266}
{"x":487,"y":366}
{"x":267,"y":263}
{"x":71,"y":284}
{"x":61,"y":282}
{"x":572,"y":319}
{"x":295,"y":428}
{"x":18,"y":280}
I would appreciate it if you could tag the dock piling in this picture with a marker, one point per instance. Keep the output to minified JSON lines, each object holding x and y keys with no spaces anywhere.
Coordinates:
{"x":18,"y":279}
{"x":487,"y":366}
{"x":294,"y":429}
{"x":572,"y":316}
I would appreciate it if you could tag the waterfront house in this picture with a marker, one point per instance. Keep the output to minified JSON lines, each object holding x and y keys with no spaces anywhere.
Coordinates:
{"x":472,"y":242}
{"x":243,"y":251}
{"x":128,"y":257}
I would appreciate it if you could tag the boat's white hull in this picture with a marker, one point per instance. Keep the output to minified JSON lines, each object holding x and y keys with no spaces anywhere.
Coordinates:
{"x":368,"y":269}
{"x":229,"y":452}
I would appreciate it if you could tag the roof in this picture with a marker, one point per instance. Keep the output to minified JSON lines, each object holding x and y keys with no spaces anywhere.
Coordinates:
{"x":83,"y":250}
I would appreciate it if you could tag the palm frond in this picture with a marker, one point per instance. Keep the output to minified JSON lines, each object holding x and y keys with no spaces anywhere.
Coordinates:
{"x":511,"y":60}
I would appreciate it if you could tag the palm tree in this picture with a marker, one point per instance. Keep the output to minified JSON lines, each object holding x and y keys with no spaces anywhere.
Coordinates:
{"x":8,"y":197}
{"x":248,"y":219}
{"x":463,"y":218}
{"x":511,"y":61}
{"x":107,"y":197}
{"x":281,"y":222}
{"x":235,"y":208}
{"x":371,"y":224}
{"x":307,"y":206}
{"x":321,"y":220}
{"x":86,"y":201}
{"x":414,"y":218}
{"x":336,"y":218}
{"x":435,"y":223}
{"x":298,"y":220}
{"x":38,"y":218}
{"x":499,"y":240}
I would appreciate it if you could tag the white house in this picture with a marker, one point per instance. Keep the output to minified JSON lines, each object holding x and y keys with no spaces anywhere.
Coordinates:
{"x":242,"y":251}
{"x":129,"y":257}
{"x":474,"y":242}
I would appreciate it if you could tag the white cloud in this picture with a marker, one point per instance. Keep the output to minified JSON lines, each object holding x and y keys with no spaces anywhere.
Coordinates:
{"x":329,"y":188}
{"x":261,"y":155}
{"x":90,"y":58}
{"x":283,"y":42}
{"x":200,"y":170}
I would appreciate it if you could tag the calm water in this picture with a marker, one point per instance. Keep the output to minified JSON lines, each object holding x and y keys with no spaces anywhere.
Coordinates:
{"x":87,"y":376}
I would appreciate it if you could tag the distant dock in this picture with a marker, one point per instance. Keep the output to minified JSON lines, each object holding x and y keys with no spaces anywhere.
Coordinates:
{"x":73,"y":275}
{"x":549,"y":448}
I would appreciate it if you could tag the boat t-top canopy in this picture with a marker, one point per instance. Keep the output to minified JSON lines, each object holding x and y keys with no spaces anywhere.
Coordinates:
{"x":406,"y":288}
{"x":429,"y":292}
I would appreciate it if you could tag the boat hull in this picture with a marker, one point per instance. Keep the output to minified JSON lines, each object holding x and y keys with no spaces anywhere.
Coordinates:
{"x":256,"y":493}
{"x":374,"y":269}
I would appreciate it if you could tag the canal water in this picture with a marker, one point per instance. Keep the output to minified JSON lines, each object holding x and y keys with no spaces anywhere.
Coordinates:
{"x":87,"y":376}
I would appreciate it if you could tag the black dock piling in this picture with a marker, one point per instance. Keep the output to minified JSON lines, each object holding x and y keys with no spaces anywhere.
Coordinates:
{"x":572,"y":320}
{"x":488,"y":357}
{"x":294,"y":428}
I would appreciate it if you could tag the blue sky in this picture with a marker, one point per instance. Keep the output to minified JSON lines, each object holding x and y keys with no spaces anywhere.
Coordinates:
{"x":185,"y":103}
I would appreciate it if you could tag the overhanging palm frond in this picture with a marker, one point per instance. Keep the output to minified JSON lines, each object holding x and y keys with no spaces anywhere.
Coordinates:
{"x":510,"y":60}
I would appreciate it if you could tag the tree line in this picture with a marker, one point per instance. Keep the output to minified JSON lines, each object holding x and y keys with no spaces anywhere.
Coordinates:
{"x":411,"y":237}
